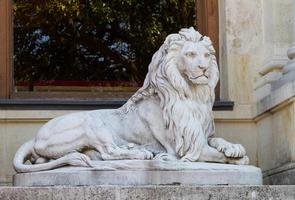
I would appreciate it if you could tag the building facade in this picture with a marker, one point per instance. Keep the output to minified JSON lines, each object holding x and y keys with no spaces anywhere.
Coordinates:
{"x":256,"y":104}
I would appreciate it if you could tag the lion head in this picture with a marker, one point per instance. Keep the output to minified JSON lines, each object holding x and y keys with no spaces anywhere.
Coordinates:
{"x":183,"y":74}
{"x":187,"y":62}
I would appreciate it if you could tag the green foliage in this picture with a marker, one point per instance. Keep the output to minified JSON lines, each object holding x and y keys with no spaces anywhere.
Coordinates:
{"x":93,"y":39}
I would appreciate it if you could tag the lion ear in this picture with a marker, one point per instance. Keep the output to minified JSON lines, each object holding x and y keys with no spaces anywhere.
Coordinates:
{"x":206,"y":41}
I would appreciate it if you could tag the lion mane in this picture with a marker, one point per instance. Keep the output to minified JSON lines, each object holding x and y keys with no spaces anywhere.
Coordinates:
{"x":187,"y":108}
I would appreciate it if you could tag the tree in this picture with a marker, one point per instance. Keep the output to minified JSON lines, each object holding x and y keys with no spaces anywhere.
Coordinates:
{"x":93,"y":39}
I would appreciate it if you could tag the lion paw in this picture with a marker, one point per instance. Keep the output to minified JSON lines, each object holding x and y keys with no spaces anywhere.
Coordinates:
{"x":239,"y":161}
{"x":165,"y":157}
{"x":185,"y":159}
{"x":235,"y":151}
{"x":230,"y":150}
{"x":145,"y":155}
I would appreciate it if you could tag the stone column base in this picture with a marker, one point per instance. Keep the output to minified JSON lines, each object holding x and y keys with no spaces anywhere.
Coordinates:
{"x":284,"y":175}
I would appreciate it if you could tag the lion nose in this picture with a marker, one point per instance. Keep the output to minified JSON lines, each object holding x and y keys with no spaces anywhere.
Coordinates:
{"x":203,"y":67}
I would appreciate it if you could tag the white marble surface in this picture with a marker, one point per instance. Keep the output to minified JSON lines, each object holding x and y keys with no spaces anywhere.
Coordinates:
{"x":145,"y":173}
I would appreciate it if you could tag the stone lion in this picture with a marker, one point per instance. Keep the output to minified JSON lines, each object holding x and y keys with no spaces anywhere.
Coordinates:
{"x":169,"y":118}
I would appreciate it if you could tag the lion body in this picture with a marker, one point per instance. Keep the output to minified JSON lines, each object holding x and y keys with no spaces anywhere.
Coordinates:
{"x":142,"y":127}
{"x":169,"y":117}
{"x":100,"y":129}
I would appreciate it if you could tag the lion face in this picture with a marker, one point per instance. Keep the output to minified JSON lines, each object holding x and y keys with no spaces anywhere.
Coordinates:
{"x":194,"y":62}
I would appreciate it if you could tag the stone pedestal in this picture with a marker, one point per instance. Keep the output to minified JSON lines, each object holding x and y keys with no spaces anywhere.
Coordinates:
{"x":149,"y":192}
{"x":144,"y":173}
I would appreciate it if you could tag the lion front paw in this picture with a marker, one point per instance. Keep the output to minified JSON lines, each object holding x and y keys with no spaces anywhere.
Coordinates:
{"x":234,"y":151}
{"x":239,"y":161}
{"x":230,"y":150}
{"x":165,"y":157}
{"x":145,"y":155}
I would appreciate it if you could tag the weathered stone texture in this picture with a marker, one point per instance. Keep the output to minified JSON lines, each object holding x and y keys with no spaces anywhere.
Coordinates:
{"x":143,"y":172}
{"x":149,"y":192}
{"x":284,"y":175}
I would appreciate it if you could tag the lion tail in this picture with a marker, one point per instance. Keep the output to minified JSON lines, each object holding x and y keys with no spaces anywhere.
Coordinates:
{"x":26,"y":151}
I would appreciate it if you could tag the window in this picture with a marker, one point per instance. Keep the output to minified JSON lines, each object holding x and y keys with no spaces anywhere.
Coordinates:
{"x":88,"y":49}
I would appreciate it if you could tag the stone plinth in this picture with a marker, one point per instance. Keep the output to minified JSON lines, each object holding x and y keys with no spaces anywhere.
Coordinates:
{"x":149,"y":192}
{"x":144,"y":173}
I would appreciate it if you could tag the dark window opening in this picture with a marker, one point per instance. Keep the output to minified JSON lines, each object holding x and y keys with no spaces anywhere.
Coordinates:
{"x":91,"y":46}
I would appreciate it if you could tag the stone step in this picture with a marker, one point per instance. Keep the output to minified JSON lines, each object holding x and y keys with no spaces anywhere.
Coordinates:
{"x":148,"y":192}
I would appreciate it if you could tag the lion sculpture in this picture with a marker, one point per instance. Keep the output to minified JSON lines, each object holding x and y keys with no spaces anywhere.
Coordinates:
{"x":169,"y":118}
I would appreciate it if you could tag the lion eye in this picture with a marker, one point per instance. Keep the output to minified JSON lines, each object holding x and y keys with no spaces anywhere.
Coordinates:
{"x":207,"y":55}
{"x":191,"y":54}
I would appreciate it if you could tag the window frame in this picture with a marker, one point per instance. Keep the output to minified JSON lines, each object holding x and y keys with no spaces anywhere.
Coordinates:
{"x":207,"y":22}
{"x":6,"y":48}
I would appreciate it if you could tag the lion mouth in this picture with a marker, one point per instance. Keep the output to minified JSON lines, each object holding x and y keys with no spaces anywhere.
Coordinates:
{"x":196,"y":77}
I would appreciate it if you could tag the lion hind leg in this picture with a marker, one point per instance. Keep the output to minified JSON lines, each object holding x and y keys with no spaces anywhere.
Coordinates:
{"x":77,"y":159}
{"x":117,"y":153}
{"x":41,"y":160}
